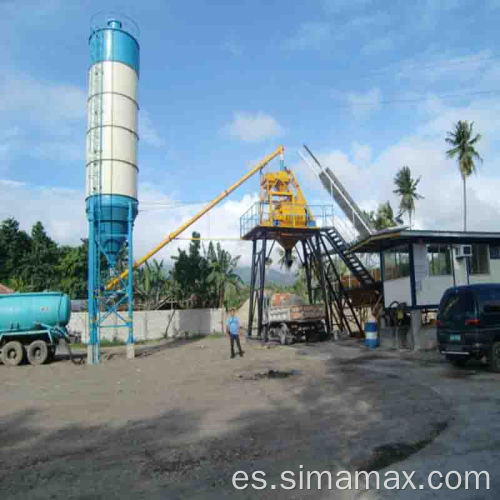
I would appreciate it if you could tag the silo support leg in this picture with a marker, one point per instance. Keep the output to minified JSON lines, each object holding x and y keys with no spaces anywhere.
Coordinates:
{"x":130,"y":286}
{"x":131,"y":351}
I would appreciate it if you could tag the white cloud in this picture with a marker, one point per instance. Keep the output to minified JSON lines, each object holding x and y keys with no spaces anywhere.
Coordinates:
{"x":11,"y":183}
{"x":147,"y":131}
{"x":361,"y":153}
{"x":42,"y":101}
{"x":253,"y":127}
{"x":441,"y":184}
{"x":439,"y":67}
{"x":321,"y":35}
{"x":62,"y":212}
{"x":223,"y":221}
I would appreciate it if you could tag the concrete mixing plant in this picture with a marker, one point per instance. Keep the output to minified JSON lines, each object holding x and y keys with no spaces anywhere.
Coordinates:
{"x":111,"y":175}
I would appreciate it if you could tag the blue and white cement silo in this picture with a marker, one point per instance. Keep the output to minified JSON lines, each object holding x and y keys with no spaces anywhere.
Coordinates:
{"x":111,"y":174}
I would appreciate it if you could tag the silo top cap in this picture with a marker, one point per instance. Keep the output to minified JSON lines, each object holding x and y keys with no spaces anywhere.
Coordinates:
{"x":114,"y":23}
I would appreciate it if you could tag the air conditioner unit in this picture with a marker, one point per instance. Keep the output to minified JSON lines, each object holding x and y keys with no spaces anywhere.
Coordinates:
{"x":462,"y":251}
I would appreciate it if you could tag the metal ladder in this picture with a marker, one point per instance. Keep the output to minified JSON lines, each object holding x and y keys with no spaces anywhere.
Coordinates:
{"x":351,"y":260}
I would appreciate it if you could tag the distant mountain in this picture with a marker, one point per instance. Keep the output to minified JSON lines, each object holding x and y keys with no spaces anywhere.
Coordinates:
{"x":272,"y":276}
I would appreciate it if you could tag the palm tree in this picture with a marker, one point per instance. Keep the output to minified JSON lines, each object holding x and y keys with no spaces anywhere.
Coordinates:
{"x":406,"y":187}
{"x":152,"y":284}
{"x":463,"y":146}
{"x":222,"y":276}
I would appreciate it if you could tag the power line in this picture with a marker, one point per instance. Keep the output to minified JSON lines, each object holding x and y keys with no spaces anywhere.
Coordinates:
{"x":441,"y":65}
{"x":415,"y":100}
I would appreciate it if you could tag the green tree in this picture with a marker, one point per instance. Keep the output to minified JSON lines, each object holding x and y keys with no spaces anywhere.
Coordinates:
{"x":463,"y":142}
{"x":222,"y":276}
{"x":383,"y":218}
{"x":38,"y":266}
{"x":72,"y":270}
{"x":300,"y":285}
{"x":406,"y":188}
{"x":190,"y":271}
{"x":14,"y":247}
{"x":152,"y":285}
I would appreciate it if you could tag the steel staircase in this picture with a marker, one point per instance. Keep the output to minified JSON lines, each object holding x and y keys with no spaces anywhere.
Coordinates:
{"x":341,"y":248}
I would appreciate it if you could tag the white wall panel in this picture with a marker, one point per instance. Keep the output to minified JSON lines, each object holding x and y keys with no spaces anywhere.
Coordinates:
{"x":112,"y":130}
{"x":116,"y":77}
{"x":115,"y":178}
{"x":398,"y":289}
{"x":112,"y":109}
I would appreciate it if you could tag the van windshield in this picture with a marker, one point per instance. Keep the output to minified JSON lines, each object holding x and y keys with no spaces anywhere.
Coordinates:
{"x":457,"y":306}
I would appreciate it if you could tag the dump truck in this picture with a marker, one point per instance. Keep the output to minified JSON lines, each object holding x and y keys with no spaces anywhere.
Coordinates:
{"x":288,"y":319}
{"x":31,"y":326}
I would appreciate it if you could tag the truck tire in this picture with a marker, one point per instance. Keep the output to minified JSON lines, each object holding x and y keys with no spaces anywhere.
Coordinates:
{"x":12,"y":353}
{"x":459,"y":362}
{"x":264,"y":336}
{"x":494,"y":357}
{"x":52,"y":353}
{"x":38,"y":352}
{"x":283,"y":334}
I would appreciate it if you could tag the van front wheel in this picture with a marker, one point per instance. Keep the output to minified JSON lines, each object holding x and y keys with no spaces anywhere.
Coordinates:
{"x":494,"y":358}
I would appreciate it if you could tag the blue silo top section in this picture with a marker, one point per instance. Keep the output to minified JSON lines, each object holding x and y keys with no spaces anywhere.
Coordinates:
{"x":112,"y":43}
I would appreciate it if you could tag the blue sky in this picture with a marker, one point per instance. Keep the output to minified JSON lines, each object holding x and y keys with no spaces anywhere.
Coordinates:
{"x":365,"y":83}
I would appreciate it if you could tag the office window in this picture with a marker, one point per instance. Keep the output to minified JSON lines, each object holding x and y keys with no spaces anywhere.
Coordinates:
{"x":480,"y":260}
{"x":494,"y":252}
{"x":439,"y":260}
{"x":397,"y":262}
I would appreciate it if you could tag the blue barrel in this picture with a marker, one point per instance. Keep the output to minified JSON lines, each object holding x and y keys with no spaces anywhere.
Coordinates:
{"x":28,"y":311}
{"x":371,"y":333}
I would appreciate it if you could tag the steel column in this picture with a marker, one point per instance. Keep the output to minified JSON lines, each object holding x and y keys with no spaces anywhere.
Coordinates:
{"x":253,"y":271}
{"x":262,"y":282}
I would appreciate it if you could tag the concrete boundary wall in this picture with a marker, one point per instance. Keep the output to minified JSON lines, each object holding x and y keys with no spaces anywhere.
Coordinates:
{"x":152,"y":325}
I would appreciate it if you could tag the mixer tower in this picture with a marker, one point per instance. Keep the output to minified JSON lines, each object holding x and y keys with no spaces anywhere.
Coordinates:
{"x":282,"y":215}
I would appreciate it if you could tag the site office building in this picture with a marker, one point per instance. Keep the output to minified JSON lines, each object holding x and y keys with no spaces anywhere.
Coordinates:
{"x":418,"y":266}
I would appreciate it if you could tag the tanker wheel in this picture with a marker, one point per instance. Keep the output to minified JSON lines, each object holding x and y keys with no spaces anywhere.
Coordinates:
{"x":52,"y":353}
{"x":38,"y":352}
{"x":12,"y":353}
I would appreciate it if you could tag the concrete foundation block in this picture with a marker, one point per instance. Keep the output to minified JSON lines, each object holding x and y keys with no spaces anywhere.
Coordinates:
{"x":130,"y":351}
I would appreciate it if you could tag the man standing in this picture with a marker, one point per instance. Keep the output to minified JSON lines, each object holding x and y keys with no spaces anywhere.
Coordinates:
{"x":233,"y":330}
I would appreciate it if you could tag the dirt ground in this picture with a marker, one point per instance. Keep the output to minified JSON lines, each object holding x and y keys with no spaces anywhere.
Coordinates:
{"x":179,"y":422}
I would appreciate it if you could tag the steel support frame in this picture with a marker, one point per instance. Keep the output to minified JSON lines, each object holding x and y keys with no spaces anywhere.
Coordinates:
{"x":258,"y":279}
{"x":317,"y":261}
{"x":103,"y":303}
{"x":314,"y":265}
{"x":257,"y":284}
{"x":317,"y":258}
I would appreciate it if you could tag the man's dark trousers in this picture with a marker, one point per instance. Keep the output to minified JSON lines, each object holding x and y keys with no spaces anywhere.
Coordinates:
{"x":235,"y":338}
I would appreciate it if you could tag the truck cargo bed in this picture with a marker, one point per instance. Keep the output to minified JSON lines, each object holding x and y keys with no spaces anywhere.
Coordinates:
{"x":297,"y":313}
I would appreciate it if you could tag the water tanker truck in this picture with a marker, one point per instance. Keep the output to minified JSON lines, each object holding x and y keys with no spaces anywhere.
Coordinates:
{"x":31,"y":325}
